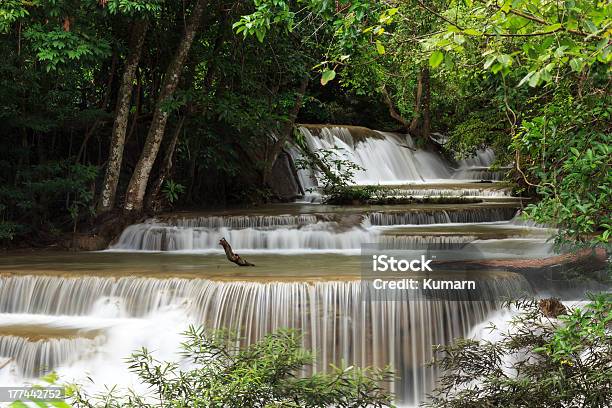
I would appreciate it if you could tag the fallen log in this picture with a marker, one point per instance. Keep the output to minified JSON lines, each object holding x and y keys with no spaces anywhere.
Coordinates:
{"x":231,"y":256}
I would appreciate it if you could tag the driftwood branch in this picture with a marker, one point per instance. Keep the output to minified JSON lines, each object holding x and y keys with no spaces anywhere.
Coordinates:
{"x":231,"y":256}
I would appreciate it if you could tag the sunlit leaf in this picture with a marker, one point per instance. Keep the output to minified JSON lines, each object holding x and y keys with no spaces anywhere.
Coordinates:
{"x":436,"y":58}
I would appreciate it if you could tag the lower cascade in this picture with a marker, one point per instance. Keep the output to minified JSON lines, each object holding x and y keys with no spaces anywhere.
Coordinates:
{"x":339,"y":323}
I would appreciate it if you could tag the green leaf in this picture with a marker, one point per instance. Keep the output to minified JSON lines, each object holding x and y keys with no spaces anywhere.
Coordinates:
{"x":496,"y":68}
{"x":379,"y":47}
{"x":525,"y":79}
{"x":535,"y":79}
{"x":18,"y":404}
{"x":490,"y":62}
{"x":327,"y":76}
{"x":551,"y":28}
{"x":436,"y":58}
{"x":471,"y":31}
{"x":50,"y":378}
{"x":505,"y":60}
{"x":575,"y":64}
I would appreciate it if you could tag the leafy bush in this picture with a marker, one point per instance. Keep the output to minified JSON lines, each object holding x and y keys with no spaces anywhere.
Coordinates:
{"x":336,"y":175}
{"x":172,"y":191}
{"x":539,"y":361}
{"x":566,"y":154}
{"x":263,"y":374}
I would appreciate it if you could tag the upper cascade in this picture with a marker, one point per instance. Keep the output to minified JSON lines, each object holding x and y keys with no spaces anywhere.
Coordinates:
{"x":386,"y":158}
{"x":390,"y":158}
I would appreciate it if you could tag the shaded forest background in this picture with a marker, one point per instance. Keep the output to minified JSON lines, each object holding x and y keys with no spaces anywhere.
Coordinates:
{"x":133,"y":106}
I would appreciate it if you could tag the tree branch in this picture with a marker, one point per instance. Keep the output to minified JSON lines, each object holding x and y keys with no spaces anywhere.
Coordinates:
{"x":392,"y":111}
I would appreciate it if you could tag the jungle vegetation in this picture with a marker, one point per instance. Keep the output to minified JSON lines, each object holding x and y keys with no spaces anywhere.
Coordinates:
{"x":136,"y":106}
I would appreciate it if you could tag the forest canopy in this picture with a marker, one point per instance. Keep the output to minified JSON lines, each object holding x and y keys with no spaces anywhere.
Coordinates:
{"x":136,"y":106}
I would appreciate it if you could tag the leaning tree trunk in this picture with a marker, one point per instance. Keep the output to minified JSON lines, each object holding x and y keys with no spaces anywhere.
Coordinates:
{"x":111,"y":177}
{"x":154,"y":190}
{"x":285,"y":132}
{"x":138,"y":183}
{"x":421,"y":121}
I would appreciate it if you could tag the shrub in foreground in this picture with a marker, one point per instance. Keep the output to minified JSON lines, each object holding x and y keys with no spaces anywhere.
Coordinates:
{"x":549,"y":356}
{"x":264,"y":374}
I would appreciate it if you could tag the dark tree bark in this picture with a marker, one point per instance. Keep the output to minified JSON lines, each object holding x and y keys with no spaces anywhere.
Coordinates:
{"x":426,"y":127}
{"x":138,"y":183}
{"x":166,"y":166}
{"x":285,"y":132}
{"x":115,"y":157}
{"x":421,"y":121}
{"x":231,"y":256}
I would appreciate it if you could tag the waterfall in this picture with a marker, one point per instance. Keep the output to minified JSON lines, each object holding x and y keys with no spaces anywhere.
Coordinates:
{"x":337,"y":321}
{"x":85,"y":320}
{"x":289,"y":233}
{"x":386,"y":158}
{"x":240,"y":221}
{"x":477,"y":167}
{"x":442,"y":216}
{"x":322,"y":236}
{"x":36,"y":358}
{"x":391,"y":158}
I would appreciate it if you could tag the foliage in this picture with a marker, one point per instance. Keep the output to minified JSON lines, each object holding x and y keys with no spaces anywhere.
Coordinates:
{"x":556,"y":362}
{"x":335,"y":175}
{"x":263,"y":374}
{"x":550,"y":38}
{"x":172,"y":191}
{"x":500,"y":73}
{"x":57,"y":187}
{"x":49,"y":380}
{"x":566,"y":149}
{"x":478,"y":131}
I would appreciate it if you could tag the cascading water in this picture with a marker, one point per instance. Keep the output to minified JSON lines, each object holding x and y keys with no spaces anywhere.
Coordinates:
{"x":35,"y":358}
{"x":338,"y":323}
{"x":87,"y":322}
{"x":289,"y":233}
{"x":386,"y":158}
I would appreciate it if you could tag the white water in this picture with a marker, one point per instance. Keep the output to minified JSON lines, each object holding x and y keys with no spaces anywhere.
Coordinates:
{"x":287,"y":233}
{"x":109,"y":318}
{"x":338,"y":325}
{"x":390,"y":159}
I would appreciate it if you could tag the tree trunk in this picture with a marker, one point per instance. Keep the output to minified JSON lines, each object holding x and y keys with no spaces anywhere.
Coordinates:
{"x":124,"y":99}
{"x":165,"y":168}
{"x":414,"y":124}
{"x":138,"y":183}
{"x":421,"y":121}
{"x":426,"y":125}
{"x":285,"y":132}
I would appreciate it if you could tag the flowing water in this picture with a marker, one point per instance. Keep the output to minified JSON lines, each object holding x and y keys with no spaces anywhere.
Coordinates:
{"x":83,"y":313}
